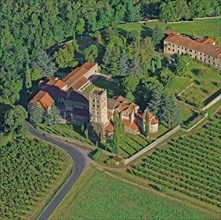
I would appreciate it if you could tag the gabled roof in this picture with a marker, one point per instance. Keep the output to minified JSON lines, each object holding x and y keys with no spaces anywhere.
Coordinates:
{"x":79,"y":83}
{"x":53,"y":82}
{"x":77,"y":73}
{"x":209,"y":49}
{"x":206,"y":40}
{"x":42,"y":98}
{"x":130,"y":124}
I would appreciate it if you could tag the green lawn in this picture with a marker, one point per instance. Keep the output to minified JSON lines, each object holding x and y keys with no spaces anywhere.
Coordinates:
{"x":113,"y":89}
{"x":204,"y":27}
{"x":205,"y":84}
{"x":104,"y":197}
{"x":65,"y":131}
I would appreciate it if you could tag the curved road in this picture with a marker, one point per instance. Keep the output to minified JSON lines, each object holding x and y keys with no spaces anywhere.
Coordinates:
{"x":80,"y":163}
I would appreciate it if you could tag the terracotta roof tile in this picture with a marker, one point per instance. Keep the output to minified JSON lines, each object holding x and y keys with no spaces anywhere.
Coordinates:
{"x":109,"y":128}
{"x":130,"y":124}
{"x":79,"y":83}
{"x":209,"y":49}
{"x":206,"y":40}
{"x":154,"y":121}
{"x":53,"y":82}
{"x":43,"y":98}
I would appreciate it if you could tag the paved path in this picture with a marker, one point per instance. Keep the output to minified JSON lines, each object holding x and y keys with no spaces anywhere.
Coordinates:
{"x":80,"y":162}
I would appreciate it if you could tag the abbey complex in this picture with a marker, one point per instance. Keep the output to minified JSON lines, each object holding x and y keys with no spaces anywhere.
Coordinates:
{"x":93,"y":108}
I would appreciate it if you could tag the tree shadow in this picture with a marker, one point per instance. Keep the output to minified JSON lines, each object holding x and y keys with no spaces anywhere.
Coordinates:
{"x":146,"y":32}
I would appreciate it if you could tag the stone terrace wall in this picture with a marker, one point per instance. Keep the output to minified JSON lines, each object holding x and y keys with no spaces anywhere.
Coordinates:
{"x":152,"y":145}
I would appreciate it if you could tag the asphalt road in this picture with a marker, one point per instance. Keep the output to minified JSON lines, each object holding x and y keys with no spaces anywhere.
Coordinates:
{"x":80,"y":163}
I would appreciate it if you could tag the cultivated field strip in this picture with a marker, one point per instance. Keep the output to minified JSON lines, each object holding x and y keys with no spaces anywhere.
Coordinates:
{"x":190,"y":165}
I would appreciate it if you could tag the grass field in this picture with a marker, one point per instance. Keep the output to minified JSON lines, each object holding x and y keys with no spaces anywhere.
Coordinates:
{"x":104,"y":197}
{"x":205,"y":82}
{"x":131,"y":144}
{"x":204,"y":27}
{"x":113,"y":89}
{"x":65,"y":131}
{"x":189,"y":165}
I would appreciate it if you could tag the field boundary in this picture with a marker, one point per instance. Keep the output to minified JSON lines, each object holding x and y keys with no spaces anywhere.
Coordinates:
{"x":152,"y":145}
{"x":159,"y":193}
{"x":50,"y":194}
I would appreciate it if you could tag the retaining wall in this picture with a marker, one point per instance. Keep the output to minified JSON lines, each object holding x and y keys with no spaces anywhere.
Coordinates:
{"x":218,"y":98}
{"x":152,"y":145}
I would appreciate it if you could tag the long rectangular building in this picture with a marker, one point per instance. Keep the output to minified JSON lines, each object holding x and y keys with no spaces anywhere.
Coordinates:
{"x":206,"y":53}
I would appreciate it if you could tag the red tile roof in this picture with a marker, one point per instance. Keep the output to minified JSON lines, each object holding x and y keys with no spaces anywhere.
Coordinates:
{"x":42,"y":98}
{"x":80,"y":83}
{"x":206,"y":40}
{"x":154,"y":121}
{"x":53,"y":82}
{"x":77,"y":73}
{"x":209,"y":49}
{"x":109,"y":128}
{"x":130,"y":124}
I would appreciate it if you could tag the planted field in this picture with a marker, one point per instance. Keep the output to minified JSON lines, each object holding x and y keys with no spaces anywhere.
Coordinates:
{"x":203,"y":27}
{"x":30,"y":169}
{"x":190,"y":165}
{"x":104,"y":197}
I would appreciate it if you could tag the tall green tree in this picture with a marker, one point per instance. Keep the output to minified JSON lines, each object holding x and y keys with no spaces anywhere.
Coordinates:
{"x":28,"y":83}
{"x":52,"y":116}
{"x":123,"y":64}
{"x":65,"y":57}
{"x":157,"y":36}
{"x":14,"y":120}
{"x":116,"y":136}
{"x":169,"y":111}
{"x":91,"y":53}
{"x":45,"y":64}
{"x":36,"y":114}
{"x":147,"y":122}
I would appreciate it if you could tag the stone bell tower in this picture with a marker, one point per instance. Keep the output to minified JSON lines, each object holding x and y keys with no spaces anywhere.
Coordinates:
{"x":98,"y":110}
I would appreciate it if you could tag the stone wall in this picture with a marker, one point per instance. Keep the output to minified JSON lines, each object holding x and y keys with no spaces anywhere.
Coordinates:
{"x":152,"y":145}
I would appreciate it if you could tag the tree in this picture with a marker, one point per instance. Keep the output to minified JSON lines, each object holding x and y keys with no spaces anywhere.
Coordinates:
{"x":36,"y":114}
{"x":86,"y":134}
{"x":14,"y":120}
{"x":157,"y":36}
{"x":169,"y":111}
{"x":158,"y":62}
{"x":52,"y":116}
{"x":182,"y":65}
{"x":64,"y":57}
{"x":28,"y":83}
{"x":153,"y":68}
{"x":116,"y":136}
{"x":130,"y":83}
{"x":45,"y":64}
{"x":147,"y":122}
{"x":123,"y":64}
{"x":98,"y":37}
{"x":91,"y":53}
{"x":166,"y":76}
{"x":156,"y":90}
{"x":35,"y":73}
{"x":135,"y":68}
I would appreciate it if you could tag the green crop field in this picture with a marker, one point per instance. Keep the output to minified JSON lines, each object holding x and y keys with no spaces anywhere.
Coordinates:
{"x":190,"y":165}
{"x":104,"y":197}
{"x":203,"y":27}
{"x":29,"y":170}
